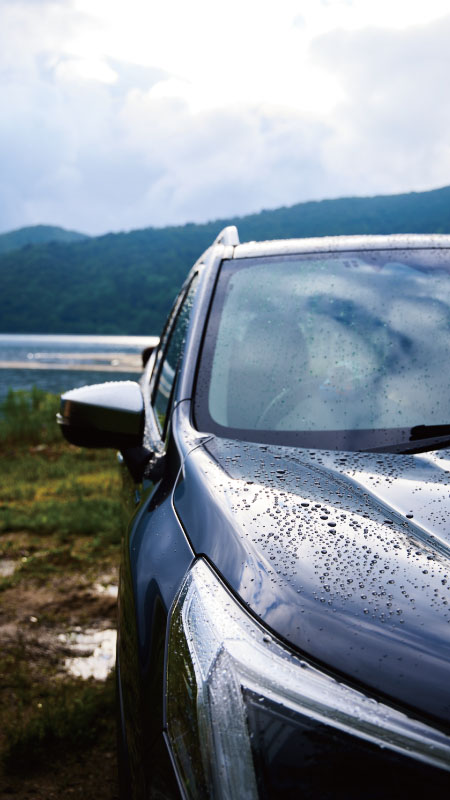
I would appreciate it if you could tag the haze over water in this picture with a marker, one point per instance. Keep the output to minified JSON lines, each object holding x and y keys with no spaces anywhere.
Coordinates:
{"x":56,"y":363}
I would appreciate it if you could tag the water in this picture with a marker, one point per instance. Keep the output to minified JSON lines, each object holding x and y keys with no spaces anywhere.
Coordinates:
{"x":94,"y":652}
{"x":57,"y":363}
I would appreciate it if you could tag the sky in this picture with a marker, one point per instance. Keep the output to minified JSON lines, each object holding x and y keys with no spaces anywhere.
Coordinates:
{"x":120,"y":115}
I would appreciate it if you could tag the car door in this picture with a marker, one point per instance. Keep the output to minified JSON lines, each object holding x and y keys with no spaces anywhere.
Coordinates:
{"x":155,"y":556}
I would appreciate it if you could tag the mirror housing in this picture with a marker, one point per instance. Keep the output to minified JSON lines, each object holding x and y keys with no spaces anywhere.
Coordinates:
{"x":103,"y":415}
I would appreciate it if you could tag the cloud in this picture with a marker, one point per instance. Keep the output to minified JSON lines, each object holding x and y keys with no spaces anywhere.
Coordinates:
{"x":102,"y":144}
{"x":391,"y":129}
{"x":97,"y":142}
{"x":150,"y":160}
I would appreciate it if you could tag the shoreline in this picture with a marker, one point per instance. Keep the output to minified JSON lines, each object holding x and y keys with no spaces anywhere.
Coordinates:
{"x":122,"y":366}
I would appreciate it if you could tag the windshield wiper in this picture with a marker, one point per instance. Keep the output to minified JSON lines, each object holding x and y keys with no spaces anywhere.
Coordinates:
{"x":421,"y":439}
{"x":429,"y":432}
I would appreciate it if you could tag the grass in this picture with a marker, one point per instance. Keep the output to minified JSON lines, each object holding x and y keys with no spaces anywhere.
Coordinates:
{"x":71,"y":715}
{"x":60,"y":524}
{"x":28,"y":417}
{"x":50,"y":488}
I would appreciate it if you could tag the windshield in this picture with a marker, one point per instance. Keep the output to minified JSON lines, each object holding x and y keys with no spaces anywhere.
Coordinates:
{"x":335,"y":350}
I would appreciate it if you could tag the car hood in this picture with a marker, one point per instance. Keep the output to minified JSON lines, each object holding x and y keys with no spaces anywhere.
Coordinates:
{"x":343,"y":555}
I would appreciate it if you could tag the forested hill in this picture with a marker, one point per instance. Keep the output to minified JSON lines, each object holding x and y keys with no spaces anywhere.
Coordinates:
{"x":125,"y":283}
{"x":37,"y":234}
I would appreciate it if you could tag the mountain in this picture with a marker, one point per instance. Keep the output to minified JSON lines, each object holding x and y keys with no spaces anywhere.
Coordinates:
{"x":125,"y":282}
{"x":37,"y":234}
{"x":416,"y":212}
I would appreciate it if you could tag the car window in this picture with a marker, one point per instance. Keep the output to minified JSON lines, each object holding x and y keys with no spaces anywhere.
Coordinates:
{"x":171,"y":358}
{"x":328,"y":350}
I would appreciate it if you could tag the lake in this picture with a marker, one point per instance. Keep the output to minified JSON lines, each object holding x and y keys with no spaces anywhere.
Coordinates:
{"x":57,"y":363}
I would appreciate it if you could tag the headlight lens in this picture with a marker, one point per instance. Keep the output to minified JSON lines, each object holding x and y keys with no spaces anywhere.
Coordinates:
{"x":228,"y":682}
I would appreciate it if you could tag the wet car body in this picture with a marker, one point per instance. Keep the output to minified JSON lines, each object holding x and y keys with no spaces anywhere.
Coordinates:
{"x":338,"y":557}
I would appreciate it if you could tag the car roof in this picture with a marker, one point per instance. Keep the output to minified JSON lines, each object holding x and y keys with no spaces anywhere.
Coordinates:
{"x":281,"y":247}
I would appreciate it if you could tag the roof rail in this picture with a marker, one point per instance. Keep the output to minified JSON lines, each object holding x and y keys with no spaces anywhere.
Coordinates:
{"x":228,"y":235}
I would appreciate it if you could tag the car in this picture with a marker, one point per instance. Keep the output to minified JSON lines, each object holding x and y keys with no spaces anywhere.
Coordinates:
{"x":283,"y":625}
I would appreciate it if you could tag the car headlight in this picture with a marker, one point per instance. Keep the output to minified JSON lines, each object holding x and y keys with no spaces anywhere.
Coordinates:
{"x":237,"y":699}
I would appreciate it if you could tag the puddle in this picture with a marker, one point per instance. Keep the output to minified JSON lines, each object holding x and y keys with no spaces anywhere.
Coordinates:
{"x":94,"y":652}
{"x":110,"y":590}
{"x":7,"y":567}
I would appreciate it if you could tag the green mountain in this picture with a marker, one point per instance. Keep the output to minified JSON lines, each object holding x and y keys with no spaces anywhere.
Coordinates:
{"x":37,"y":234}
{"x":125,"y":282}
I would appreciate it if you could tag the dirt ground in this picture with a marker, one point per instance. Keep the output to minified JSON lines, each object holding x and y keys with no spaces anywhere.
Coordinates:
{"x":42,"y":761}
{"x":60,"y":529}
{"x":85,"y":775}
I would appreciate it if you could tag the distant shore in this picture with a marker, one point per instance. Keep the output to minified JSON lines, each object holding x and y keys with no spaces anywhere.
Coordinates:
{"x":100,"y":362}
{"x":57,"y":362}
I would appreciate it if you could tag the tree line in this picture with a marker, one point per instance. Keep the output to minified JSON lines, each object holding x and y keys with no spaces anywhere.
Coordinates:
{"x":124,"y":283}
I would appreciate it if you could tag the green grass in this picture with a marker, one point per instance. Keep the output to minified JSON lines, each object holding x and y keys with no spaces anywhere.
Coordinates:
{"x":51,"y":489}
{"x":28,"y":417}
{"x":60,"y":523}
{"x":71,"y":714}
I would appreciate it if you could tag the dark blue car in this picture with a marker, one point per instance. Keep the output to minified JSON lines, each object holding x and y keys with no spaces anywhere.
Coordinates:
{"x":284,"y":598}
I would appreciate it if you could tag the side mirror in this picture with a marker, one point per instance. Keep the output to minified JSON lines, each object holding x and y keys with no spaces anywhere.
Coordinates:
{"x":103,"y":415}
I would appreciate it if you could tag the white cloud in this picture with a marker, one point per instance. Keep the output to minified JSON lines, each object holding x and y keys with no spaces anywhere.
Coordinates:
{"x":391,"y":129}
{"x":126,"y":115}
